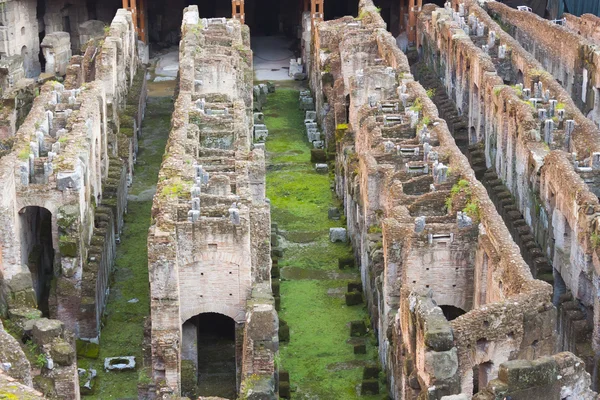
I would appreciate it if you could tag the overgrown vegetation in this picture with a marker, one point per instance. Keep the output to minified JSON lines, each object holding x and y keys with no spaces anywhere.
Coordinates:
{"x":319,"y":360}
{"x":462,"y":188}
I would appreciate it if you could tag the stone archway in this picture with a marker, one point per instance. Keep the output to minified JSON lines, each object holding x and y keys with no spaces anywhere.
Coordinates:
{"x":209,"y":365}
{"x":37,"y":251}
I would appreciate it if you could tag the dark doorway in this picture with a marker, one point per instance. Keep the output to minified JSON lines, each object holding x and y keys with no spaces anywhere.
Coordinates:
{"x":451,"y":312}
{"x":37,"y":251}
{"x":334,"y":9}
{"x":215,"y":358}
{"x":481,"y":376}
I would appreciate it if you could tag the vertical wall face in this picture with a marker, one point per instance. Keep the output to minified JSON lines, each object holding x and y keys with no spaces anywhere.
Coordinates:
{"x":568,"y":52}
{"x":19,"y":34}
{"x":525,"y":130}
{"x":61,"y":163}
{"x":209,"y":247}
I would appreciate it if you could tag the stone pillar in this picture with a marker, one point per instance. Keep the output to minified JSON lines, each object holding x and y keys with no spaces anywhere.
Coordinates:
{"x":57,"y":51}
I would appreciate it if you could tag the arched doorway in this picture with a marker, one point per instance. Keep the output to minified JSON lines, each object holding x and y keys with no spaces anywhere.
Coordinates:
{"x":208,"y":353}
{"x":37,"y":251}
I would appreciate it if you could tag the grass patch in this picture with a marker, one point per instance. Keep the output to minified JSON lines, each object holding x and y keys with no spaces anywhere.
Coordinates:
{"x":318,"y":333}
{"x":287,"y":138}
{"x":300,"y":199}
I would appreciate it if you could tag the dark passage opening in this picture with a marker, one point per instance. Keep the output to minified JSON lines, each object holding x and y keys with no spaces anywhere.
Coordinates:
{"x":40,"y":11}
{"x":37,"y":251}
{"x":208,"y":347}
{"x":481,"y":376}
{"x":451,"y":312}
{"x":339,"y":8}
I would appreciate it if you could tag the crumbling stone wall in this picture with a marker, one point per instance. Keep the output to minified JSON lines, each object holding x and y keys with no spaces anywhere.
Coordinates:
{"x":209,"y":247}
{"x":571,"y":58}
{"x":524,"y":140}
{"x":419,"y":220}
{"x":66,"y":160}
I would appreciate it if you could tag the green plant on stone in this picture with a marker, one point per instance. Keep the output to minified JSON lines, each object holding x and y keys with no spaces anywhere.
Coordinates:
{"x":417,"y":105}
{"x":472,"y":209}
{"x":430,"y":92}
{"x":595,"y":240}
{"x":41,"y":360}
{"x":24,"y":155}
{"x":374,"y":229}
{"x":560,"y":106}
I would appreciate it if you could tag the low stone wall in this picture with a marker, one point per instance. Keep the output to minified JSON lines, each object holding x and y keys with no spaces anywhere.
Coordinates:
{"x":571,"y":58}
{"x":209,"y":245}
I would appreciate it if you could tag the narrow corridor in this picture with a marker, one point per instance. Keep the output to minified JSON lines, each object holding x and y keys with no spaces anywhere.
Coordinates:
{"x":128,"y":304}
{"x":320,"y":355}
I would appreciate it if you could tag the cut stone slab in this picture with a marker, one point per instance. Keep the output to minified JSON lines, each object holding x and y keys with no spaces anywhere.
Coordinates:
{"x":46,"y":330}
{"x":321,"y":168}
{"x":358,"y":328}
{"x":119,"y":363}
{"x":334,"y":213}
{"x":337,"y":235}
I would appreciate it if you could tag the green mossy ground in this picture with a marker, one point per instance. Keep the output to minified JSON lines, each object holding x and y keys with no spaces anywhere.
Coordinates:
{"x":123,"y":332}
{"x":322,"y":365}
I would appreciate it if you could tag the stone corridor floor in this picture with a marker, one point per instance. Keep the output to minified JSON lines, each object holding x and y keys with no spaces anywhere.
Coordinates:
{"x":319,"y":359}
{"x":128,"y":303}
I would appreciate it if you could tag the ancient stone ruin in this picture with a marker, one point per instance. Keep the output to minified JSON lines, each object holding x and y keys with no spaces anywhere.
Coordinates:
{"x":405,"y":207}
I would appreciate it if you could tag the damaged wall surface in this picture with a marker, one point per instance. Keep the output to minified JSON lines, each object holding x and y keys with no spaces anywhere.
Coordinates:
{"x":209,"y":247}
{"x":426,"y":232}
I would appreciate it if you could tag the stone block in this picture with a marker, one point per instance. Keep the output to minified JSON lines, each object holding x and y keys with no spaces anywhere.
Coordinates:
{"x":442,"y":365}
{"x":284,"y":390}
{"x":271,"y":87}
{"x":318,"y":156}
{"x":277,"y":252}
{"x":370,"y":372}
{"x":284,"y":376}
{"x":353,"y":298}
{"x":369,"y":387}
{"x":284,"y":332}
{"x":46,"y":330}
{"x":321,"y":168}
{"x":355,"y":286}
{"x":338,"y":235}
{"x":62,"y":352}
{"x":346,"y":262}
{"x":275,"y":272}
{"x":275,"y":286}
{"x":523,"y":374}
{"x":333,"y":213}
{"x":359,"y":348}
{"x":358,"y":328}
{"x":300,"y":76}
{"x":87,"y":349}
